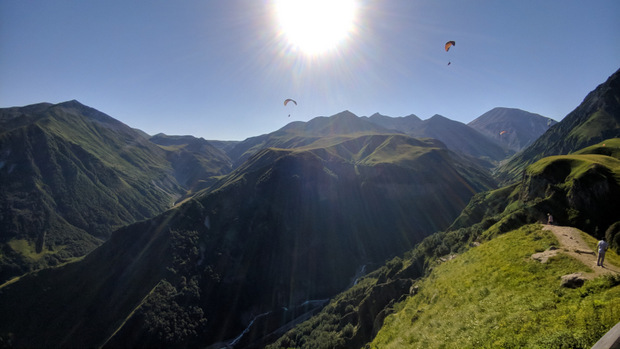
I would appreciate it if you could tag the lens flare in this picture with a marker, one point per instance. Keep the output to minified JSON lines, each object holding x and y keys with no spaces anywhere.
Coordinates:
{"x":316,"y":26}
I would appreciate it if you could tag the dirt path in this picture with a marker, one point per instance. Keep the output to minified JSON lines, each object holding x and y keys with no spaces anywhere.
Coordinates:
{"x":572,"y":244}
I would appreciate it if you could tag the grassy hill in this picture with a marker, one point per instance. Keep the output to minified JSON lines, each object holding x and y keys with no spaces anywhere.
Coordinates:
{"x":495,"y":295}
{"x":490,"y":295}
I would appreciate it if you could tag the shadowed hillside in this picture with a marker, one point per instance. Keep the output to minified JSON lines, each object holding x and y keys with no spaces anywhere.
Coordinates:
{"x":196,"y":162}
{"x":477,"y":282}
{"x":286,"y":227}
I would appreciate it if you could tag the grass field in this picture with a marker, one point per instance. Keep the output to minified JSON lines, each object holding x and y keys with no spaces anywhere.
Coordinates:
{"x":496,"y":296}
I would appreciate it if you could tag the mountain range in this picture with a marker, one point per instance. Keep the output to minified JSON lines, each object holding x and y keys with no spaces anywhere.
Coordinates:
{"x":197,"y":243}
{"x":67,"y":162}
{"x":71,"y":175}
{"x":499,"y":124}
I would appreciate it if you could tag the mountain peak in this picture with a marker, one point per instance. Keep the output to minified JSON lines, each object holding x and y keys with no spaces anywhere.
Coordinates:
{"x":344,"y":114}
{"x":71,"y":103}
{"x":378,"y":115}
{"x":438,"y":118}
{"x":75,"y":107}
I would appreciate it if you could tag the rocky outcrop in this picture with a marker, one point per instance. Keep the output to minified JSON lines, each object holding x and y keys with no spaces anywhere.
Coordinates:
{"x":585,"y":200}
{"x":376,"y":307}
{"x":574,"y":280}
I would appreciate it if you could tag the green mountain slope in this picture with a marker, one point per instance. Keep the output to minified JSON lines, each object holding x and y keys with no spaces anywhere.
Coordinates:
{"x":513,"y":128}
{"x":196,"y":162}
{"x":299,"y":134}
{"x":597,"y":118}
{"x":290,"y":225}
{"x":70,"y":175}
{"x":455,"y":135}
{"x":489,"y":294}
{"x":78,"y":304}
{"x":495,"y":295}
{"x":485,"y":297}
{"x":581,"y":190}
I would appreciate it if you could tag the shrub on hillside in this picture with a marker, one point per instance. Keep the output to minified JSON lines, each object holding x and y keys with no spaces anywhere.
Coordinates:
{"x":613,"y":236}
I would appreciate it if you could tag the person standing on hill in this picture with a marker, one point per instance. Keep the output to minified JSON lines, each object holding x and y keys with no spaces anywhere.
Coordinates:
{"x":602,"y":247}
{"x":549,"y":219}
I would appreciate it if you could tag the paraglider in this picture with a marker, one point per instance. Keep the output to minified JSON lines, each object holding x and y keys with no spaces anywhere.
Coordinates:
{"x":448,"y":45}
{"x":501,"y":133}
{"x":286,"y":101}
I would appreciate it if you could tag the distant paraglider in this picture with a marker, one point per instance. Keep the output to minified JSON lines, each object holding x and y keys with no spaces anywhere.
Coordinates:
{"x":286,"y":101}
{"x":448,"y":45}
{"x":501,"y":133}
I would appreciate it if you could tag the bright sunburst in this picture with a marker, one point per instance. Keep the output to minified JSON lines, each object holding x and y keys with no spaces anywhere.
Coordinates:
{"x":315,"y":26}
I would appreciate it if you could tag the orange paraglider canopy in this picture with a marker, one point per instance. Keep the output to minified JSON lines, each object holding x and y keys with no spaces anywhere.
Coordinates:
{"x":289,"y":100}
{"x":450,"y":44}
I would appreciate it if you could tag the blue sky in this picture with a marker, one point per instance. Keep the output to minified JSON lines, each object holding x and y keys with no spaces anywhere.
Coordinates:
{"x":221,"y":69}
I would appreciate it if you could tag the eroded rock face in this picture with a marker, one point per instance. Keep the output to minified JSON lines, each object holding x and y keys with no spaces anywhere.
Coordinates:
{"x":376,"y":306}
{"x":587,"y":201}
{"x":574,"y":280}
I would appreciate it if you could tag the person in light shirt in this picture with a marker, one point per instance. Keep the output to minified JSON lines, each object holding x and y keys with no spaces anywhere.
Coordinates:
{"x":602,"y":247}
{"x":549,"y":219}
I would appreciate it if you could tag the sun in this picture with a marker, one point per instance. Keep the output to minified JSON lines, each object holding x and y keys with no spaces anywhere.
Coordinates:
{"x":316,"y":26}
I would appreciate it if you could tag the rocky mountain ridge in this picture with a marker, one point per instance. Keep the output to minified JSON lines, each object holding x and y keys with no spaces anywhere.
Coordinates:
{"x":511,"y":127}
{"x":597,"y":118}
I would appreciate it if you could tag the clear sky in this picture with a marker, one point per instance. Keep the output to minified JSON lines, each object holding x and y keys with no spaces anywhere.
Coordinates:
{"x":221,"y":69}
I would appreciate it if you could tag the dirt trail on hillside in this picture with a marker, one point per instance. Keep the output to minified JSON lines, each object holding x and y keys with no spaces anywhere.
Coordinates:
{"x":572,"y":244}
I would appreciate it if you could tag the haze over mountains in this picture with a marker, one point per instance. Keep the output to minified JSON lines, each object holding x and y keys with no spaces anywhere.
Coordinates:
{"x":190,"y":240}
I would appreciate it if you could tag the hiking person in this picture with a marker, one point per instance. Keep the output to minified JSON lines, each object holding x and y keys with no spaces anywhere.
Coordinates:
{"x":549,"y":219}
{"x":602,"y":247}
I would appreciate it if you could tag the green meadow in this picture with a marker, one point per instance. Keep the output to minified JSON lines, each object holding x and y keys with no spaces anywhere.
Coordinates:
{"x":496,"y":296}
